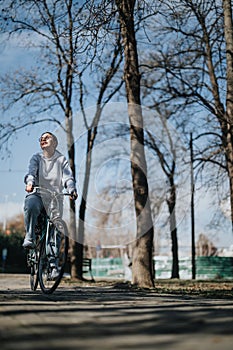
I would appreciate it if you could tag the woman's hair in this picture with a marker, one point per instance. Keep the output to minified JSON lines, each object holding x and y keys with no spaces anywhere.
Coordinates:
{"x":53,"y":136}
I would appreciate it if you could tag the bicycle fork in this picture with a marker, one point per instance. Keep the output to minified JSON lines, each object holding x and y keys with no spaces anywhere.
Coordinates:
{"x":52,"y":243}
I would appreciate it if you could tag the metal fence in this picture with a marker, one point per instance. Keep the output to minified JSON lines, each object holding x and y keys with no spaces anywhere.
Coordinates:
{"x":206,"y":268}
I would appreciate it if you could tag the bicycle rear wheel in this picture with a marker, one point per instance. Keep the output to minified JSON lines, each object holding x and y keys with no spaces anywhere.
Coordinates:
{"x":53,"y":253}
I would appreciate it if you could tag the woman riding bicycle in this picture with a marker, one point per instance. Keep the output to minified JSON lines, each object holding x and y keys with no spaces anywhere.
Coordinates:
{"x":48,"y":169}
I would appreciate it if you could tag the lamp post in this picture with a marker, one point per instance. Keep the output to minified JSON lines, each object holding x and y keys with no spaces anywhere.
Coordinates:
{"x":192,"y":210}
{"x":5,"y":212}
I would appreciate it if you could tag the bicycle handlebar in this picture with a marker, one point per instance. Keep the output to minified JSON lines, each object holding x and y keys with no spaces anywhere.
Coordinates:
{"x":54,"y":194}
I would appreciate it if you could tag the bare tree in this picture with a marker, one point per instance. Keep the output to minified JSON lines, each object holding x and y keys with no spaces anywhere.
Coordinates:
{"x":54,"y":86}
{"x":142,"y":265}
{"x":167,"y":157}
{"x":205,"y":247}
{"x":226,"y":121}
{"x":195,"y":68}
{"x":101,"y":101}
{"x":64,"y":37}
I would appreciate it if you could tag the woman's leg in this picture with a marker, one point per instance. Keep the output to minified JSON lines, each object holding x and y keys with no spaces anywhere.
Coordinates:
{"x":32,"y":208}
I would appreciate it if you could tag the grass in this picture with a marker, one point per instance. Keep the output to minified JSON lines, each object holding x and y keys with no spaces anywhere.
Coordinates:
{"x":203,"y":288}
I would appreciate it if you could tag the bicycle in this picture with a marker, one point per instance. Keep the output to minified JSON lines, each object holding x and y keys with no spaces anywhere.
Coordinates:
{"x":51,"y":247}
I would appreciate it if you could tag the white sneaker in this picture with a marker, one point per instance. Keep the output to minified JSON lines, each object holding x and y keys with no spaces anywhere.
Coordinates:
{"x":54,"y":273}
{"x":28,"y":244}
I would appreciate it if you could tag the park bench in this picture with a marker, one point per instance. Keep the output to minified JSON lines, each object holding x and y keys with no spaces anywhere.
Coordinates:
{"x":87,"y":267}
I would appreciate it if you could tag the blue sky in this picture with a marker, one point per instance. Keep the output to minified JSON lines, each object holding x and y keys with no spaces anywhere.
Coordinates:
{"x":13,"y":170}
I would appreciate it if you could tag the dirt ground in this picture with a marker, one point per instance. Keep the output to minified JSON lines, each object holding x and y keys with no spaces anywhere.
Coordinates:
{"x":184,"y":315}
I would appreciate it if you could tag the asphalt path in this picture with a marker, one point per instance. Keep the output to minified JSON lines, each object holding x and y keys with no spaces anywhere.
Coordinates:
{"x":110,"y":316}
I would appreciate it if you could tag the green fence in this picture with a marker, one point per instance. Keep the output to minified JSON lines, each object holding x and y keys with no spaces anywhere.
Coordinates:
{"x":108,"y":267}
{"x":213,"y":267}
{"x":206,"y":268}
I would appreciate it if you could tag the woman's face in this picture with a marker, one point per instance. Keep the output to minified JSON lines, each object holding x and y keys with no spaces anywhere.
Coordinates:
{"x":47,"y":141}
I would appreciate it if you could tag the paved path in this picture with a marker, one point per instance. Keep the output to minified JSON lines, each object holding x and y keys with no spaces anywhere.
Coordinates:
{"x":109,"y":317}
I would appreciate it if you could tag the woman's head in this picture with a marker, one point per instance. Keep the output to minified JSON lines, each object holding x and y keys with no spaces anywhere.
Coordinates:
{"x":47,"y":135}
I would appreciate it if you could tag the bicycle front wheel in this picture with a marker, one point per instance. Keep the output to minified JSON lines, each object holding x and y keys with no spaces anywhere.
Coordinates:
{"x":33,"y":257}
{"x":53,"y":256}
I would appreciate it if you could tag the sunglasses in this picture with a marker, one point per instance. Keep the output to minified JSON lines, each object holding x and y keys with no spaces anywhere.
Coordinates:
{"x":41,"y":139}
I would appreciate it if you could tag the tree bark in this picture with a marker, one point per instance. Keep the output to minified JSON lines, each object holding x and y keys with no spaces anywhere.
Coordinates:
{"x":91,"y":134}
{"x":73,"y":249}
{"x":171,"y":202}
{"x":227,"y":125}
{"x":142,"y":262}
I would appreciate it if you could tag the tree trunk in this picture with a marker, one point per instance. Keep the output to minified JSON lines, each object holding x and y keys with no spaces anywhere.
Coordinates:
{"x":227,"y":126}
{"x":73,"y":249}
{"x":142,"y":262}
{"x":171,"y":201}
{"x":91,"y":134}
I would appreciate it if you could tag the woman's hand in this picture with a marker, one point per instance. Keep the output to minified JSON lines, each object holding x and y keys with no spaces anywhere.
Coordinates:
{"x":29,"y":188}
{"x":73,"y":195}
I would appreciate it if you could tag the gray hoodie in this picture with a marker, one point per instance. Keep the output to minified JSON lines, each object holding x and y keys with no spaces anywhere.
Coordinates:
{"x":52,"y":173}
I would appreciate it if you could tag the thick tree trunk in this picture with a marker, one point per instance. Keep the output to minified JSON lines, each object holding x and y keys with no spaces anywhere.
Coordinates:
{"x":142,"y":262}
{"x":227,"y":127}
{"x":73,"y":249}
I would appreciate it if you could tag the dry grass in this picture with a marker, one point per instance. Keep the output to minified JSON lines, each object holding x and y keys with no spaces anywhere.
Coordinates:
{"x":217,"y":288}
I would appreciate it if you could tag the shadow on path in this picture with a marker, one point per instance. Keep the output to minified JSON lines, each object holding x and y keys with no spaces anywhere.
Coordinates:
{"x":113,"y":318}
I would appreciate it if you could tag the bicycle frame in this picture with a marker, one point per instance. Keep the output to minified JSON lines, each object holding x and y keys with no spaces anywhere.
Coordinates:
{"x":46,"y":250}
